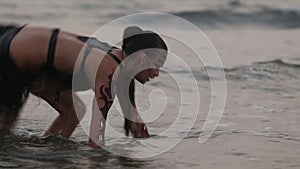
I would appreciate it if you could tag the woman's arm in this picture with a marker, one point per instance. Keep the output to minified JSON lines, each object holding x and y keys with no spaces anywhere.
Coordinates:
{"x":101,"y":104}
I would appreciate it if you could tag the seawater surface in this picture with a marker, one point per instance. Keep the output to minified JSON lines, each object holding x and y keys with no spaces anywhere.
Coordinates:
{"x":258,"y":45}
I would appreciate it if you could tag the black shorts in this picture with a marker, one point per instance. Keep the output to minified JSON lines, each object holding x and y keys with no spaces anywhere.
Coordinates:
{"x":13,"y":90}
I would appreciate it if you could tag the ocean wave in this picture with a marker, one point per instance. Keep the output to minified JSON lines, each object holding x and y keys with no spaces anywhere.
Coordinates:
{"x":280,"y":62}
{"x":32,"y":16}
{"x":275,"y":70}
{"x":264,"y":16}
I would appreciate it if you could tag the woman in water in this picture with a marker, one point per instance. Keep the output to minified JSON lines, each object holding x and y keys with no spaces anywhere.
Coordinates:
{"x":43,"y":61}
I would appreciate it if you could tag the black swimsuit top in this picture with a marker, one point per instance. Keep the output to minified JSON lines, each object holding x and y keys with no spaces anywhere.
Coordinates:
{"x":91,"y":43}
{"x":81,"y":78}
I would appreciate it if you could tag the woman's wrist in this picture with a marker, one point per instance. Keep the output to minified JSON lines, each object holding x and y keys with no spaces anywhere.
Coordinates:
{"x":94,"y":143}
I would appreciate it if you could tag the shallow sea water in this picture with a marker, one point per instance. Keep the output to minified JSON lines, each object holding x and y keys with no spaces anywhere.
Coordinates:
{"x":258,"y":44}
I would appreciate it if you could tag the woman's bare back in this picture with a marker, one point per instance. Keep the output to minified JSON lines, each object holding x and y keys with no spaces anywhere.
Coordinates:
{"x":29,"y":49}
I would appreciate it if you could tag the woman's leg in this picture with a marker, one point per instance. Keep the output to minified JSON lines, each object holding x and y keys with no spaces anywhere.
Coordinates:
{"x":68,"y":118}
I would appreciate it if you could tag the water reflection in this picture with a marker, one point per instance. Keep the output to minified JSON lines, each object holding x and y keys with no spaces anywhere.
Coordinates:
{"x":56,"y":152}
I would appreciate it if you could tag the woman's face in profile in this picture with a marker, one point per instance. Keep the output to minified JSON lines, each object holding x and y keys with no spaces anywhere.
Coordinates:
{"x":144,"y":67}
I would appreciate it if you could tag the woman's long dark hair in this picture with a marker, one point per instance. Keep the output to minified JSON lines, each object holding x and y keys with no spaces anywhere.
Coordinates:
{"x":135,"y":39}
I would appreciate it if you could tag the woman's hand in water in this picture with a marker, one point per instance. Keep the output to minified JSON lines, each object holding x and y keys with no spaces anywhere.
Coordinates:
{"x":92,"y":143}
{"x":139,"y":130}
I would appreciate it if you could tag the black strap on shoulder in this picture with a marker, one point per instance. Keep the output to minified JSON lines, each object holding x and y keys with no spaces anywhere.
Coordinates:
{"x":114,"y":56}
{"x":52,"y":47}
{"x":86,"y":53}
{"x":94,"y":43}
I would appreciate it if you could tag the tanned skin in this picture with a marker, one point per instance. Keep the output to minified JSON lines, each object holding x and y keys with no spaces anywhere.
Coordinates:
{"x":29,"y":52}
